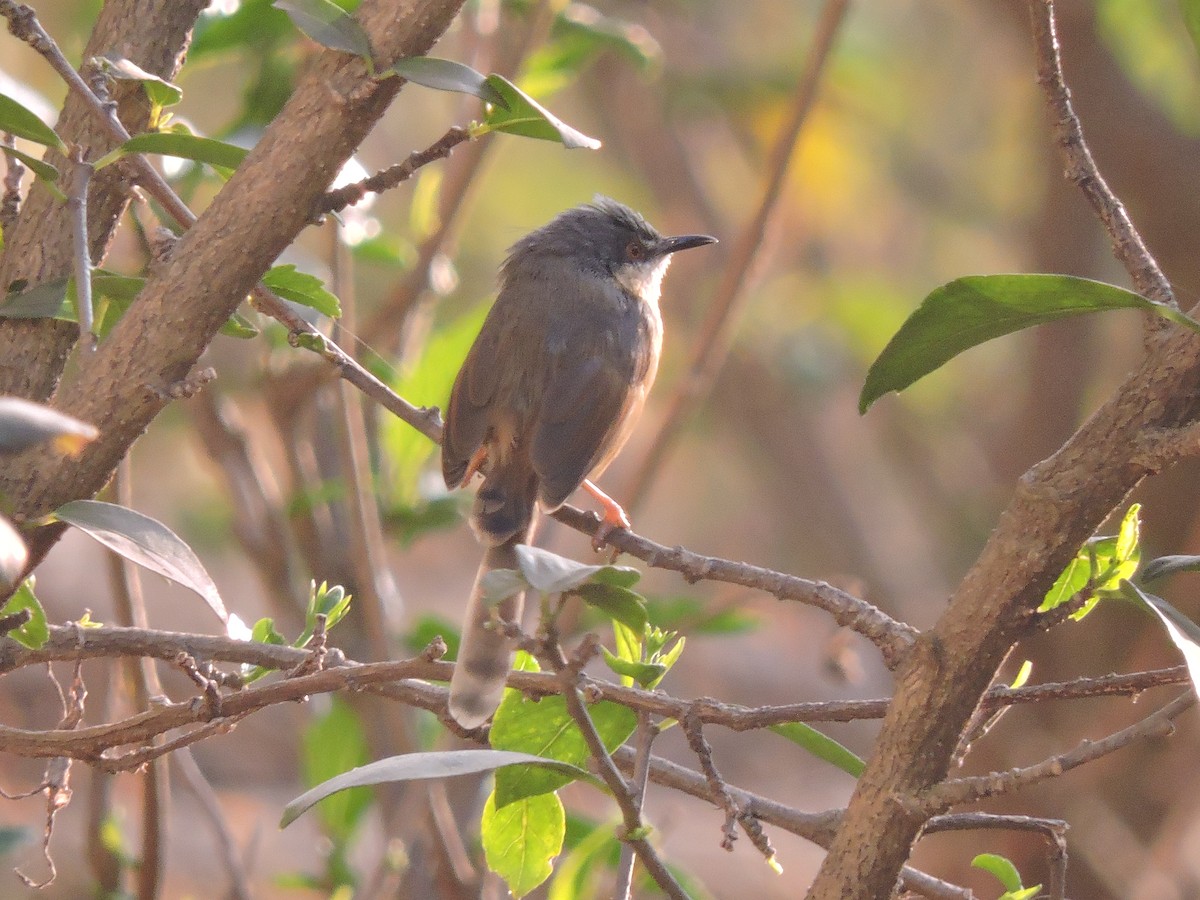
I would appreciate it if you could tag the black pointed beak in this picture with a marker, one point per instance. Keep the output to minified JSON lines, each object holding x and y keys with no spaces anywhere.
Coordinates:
{"x":684,"y":242}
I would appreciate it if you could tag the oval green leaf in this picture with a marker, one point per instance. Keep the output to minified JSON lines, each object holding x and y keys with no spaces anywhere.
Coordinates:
{"x":520,"y":840}
{"x":43,"y":170}
{"x":552,"y":574}
{"x":969,"y":311}
{"x":327,"y":24}
{"x":145,"y":541}
{"x":821,"y":746}
{"x":34,"y":633}
{"x":418,"y":766}
{"x":300,"y":287}
{"x":185,"y":146}
{"x":521,"y":114}
{"x":1169,"y":565}
{"x":159,"y":91}
{"x":21,"y":122}
{"x":447,"y":75}
{"x":43,"y":301}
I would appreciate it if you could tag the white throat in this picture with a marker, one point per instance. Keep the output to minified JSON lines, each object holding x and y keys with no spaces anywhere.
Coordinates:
{"x":643,"y":280}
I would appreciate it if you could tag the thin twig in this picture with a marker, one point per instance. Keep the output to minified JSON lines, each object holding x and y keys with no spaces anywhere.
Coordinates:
{"x":339,"y":199}
{"x":77,"y":191}
{"x":647,"y":731}
{"x":634,"y":827}
{"x":1054,"y":831}
{"x":1081,"y":169}
{"x":231,"y":859}
{"x":711,"y":347}
{"x":958,"y":791}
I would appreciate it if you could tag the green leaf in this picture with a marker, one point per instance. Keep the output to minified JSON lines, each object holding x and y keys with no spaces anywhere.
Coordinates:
{"x":620,"y":603}
{"x":1099,"y":567}
{"x":159,"y":92}
{"x":43,"y":170}
{"x":185,"y":146}
{"x":300,"y":287}
{"x":34,"y":633}
{"x":21,"y":122}
{"x":645,"y":674}
{"x":545,"y":729}
{"x":332,"y":744}
{"x":1169,"y":565}
{"x":43,"y":301}
{"x":1022,"y":675}
{"x":553,"y":574}
{"x":969,"y":311}
{"x":521,"y":839}
{"x":238,"y":326}
{"x":1006,"y":873}
{"x":255,"y":25}
{"x":1185,"y":633}
{"x":821,"y":746}
{"x":418,"y":766}
{"x":145,"y":541}
{"x":263,"y":632}
{"x":446,"y":75}
{"x":331,"y":602}
{"x":523,"y":115}
{"x":581,"y":34}
{"x":587,"y":853}
{"x":327,"y":24}
{"x":24,"y":424}
{"x":428,"y":383}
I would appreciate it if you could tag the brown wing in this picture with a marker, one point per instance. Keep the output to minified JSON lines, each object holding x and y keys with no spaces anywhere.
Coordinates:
{"x":598,"y":387}
{"x":467,"y":416}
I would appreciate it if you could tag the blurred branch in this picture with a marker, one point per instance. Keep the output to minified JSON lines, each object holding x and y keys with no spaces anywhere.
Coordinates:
{"x":231,"y":860}
{"x":130,"y":603}
{"x":712,"y":346}
{"x":1128,"y":246}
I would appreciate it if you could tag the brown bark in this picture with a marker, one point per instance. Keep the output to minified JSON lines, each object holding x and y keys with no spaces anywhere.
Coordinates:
{"x":1058,"y":505}
{"x":153,"y":34}
{"x":128,"y":380}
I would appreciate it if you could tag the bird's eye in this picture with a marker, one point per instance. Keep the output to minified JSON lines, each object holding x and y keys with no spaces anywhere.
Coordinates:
{"x":635,"y":250}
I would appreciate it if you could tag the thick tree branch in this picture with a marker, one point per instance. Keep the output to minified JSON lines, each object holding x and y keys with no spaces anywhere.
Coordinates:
{"x":1058,"y":505}
{"x":124,"y":385}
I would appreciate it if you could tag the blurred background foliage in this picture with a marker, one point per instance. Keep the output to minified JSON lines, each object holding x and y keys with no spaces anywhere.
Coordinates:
{"x":927,"y":156}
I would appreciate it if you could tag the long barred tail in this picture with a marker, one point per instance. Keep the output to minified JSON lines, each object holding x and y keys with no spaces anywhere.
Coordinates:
{"x":485,"y":655}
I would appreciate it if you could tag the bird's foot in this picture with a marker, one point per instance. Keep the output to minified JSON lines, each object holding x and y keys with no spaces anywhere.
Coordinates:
{"x":613,"y":517}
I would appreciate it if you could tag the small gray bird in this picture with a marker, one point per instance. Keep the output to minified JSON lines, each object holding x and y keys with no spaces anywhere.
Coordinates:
{"x":547,"y":396}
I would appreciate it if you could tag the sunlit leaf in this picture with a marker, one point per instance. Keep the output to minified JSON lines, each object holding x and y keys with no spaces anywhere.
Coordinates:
{"x":520,"y":840}
{"x":145,"y":541}
{"x":1185,"y":633}
{"x":645,"y":674}
{"x":545,"y":729}
{"x":523,"y":115}
{"x":327,"y":24}
{"x":969,"y":311}
{"x":21,"y":122}
{"x":418,"y":766}
{"x":1006,"y":873}
{"x":34,"y":633}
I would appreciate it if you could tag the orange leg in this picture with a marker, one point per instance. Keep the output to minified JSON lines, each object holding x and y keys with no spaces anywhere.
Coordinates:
{"x":475,"y":464}
{"x":614,"y":517}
